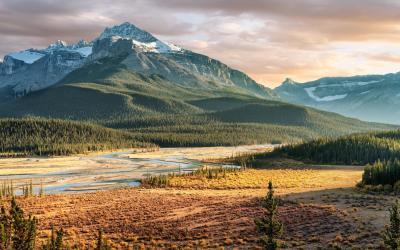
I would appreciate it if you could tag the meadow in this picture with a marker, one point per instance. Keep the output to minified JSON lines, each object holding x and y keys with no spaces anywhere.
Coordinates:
{"x":320,"y":209}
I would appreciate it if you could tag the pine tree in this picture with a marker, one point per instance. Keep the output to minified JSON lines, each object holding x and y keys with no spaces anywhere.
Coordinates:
{"x":5,"y":229}
{"x":391,"y":234}
{"x":16,"y":232}
{"x":269,"y":226}
{"x":23,"y":230}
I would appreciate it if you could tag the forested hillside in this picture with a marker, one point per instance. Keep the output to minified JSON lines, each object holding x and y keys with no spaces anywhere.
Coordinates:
{"x":358,"y":149}
{"x":23,"y":137}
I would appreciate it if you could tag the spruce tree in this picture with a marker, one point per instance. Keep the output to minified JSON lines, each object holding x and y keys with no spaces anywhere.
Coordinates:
{"x":23,"y":230}
{"x":269,"y":226}
{"x":5,"y":229}
{"x":16,"y":231}
{"x":391,"y":234}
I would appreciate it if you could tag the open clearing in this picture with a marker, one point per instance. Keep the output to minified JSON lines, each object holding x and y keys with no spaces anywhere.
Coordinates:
{"x":320,"y":208}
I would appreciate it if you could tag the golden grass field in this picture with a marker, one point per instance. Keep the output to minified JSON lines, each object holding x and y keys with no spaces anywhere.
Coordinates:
{"x":321,"y":209}
{"x":287,"y":179}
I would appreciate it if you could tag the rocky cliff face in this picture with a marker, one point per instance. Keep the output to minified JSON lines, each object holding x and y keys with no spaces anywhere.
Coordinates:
{"x":11,"y":65}
{"x":23,"y":77}
{"x":31,"y":70}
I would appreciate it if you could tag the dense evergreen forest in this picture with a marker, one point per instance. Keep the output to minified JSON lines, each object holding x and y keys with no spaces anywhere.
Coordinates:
{"x":39,"y":136}
{"x":382,"y":173}
{"x":42,"y":137}
{"x":207,"y":130}
{"x":357,"y":149}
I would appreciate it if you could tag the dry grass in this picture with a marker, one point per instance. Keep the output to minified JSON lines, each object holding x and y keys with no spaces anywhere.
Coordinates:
{"x":319,"y":211}
{"x":158,"y":221}
{"x":282,"y":179}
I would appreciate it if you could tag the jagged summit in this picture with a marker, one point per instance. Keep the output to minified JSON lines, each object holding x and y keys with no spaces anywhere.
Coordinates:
{"x":30,"y":56}
{"x":58,"y":44}
{"x":141,"y":39}
{"x":128,"y":31}
{"x":289,"y":81}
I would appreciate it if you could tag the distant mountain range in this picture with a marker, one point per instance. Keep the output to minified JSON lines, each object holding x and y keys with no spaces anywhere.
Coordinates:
{"x":127,"y":78}
{"x":370,"y":98}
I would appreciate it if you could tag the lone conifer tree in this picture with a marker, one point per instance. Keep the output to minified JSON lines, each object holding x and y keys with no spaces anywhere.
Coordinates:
{"x":391,"y":234}
{"x":16,"y":231}
{"x":269,"y":226}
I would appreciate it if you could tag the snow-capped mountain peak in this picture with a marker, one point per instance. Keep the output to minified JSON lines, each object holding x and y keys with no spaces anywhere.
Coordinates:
{"x":128,"y":31}
{"x":141,"y":39}
{"x":289,"y":81}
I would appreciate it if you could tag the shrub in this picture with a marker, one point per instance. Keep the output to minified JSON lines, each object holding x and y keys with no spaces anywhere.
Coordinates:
{"x":396,"y":186}
{"x":387,"y":188}
{"x":391,"y":234}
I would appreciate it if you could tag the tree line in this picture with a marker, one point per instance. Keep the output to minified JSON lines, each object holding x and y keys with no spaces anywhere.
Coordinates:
{"x":34,"y":136}
{"x":359,"y":149}
{"x":385,"y":172}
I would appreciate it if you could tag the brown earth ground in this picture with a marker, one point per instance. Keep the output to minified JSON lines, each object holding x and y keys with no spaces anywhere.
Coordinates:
{"x":321,"y":209}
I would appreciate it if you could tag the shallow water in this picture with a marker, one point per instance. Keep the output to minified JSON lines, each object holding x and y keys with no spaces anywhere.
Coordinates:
{"x":110,"y":170}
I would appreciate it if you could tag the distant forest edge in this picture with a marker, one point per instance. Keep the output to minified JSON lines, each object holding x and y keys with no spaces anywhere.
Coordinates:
{"x":356,"y":149}
{"x":43,"y":137}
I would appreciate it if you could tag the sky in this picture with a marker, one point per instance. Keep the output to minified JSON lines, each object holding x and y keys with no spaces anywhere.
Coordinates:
{"x":270,"y":40}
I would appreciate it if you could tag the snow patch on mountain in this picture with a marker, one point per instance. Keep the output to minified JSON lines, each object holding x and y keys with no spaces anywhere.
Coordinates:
{"x":82,"y":47}
{"x":310,"y":92}
{"x":27,"y":56}
{"x":156,"y":47}
{"x":85,"y":51}
{"x":365,"y":92}
{"x":32,"y":55}
{"x":348,"y":84}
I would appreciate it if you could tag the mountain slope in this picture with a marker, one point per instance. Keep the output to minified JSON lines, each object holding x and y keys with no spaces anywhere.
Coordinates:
{"x":370,"y":98}
{"x":170,"y":96}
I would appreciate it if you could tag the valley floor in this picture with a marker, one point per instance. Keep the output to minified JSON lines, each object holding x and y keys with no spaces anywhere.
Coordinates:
{"x":320,"y":209}
{"x":110,"y":170}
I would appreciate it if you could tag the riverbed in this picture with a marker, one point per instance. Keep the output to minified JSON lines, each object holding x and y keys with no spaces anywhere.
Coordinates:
{"x":102,"y":171}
